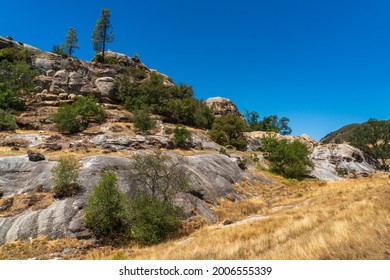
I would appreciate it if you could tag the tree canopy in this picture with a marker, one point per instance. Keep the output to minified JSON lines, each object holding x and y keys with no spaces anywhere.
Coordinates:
{"x":103,"y":32}
{"x":373,"y":137}
{"x":70,"y":41}
{"x":270,"y":123}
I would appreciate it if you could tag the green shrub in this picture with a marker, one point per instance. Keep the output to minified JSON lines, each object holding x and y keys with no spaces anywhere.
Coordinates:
{"x":182,"y":137}
{"x":153,"y":220}
{"x":223,"y":151}
{"x":158,"y":179}
{"x":65,"y":177}
{"x":9,"y":99}
{"x":66,"y":120}
{"x":88,"y":109}
{"x":138,"y":73}
{"x":107,"y":213}
{"x":59,"y":50}
{"x":15,"y":54}
{"x":17,"y":76}
{"x":175,"y":103}
{"x":142,"y":120}
{"x":76,"y":117}
{"x":289,"y":159}
{"x":229,"y":130}
{"x":7,"y":121}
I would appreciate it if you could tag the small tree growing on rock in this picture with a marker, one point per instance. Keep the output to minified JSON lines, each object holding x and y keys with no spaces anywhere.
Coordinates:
{"x":289,"y":159}
{"x":106,"y":213}
{"x":158,"y":178}
{"x":182,"y":137}
{"x":65,"y":177}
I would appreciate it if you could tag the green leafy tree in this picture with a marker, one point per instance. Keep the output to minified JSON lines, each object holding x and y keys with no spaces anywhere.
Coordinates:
{"x":271,"y":123}
{"x":142,"y":120}
{"x":174,"y":103}
{"x":161,"y":175}
{"x":158,"y":178}
{"x":182,"y":137}
{"x":7,"y":121}
{"x":70,"y":41}
{"x":103,"y":33}
{"x":107,"y":212}
{"x":373,"y":137}
{"x":229,"y":130}
{"x":65,"y":177}
{"x":289,"y":159}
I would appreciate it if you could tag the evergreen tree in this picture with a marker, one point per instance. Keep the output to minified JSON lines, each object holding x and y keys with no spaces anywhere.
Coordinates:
{"x":102,"y":34}
{"x":71,"y":41}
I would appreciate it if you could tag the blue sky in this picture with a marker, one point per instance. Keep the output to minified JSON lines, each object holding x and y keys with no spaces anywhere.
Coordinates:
{"x":321,"y":63}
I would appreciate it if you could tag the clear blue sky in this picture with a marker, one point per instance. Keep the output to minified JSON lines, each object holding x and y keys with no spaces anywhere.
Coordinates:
{"x":322,"y":63}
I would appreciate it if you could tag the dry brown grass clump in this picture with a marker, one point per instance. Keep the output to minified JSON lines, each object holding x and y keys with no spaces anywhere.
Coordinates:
{"x":41,"y":248}
{"x":19,"y":203}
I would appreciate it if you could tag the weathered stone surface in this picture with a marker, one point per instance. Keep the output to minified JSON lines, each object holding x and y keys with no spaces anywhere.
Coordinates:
{"x":223,"y":107}
{"x":203,"y":143}
{"x":121,"y":142}
{"x":334,"y":159}
{"x":19,"y":175}
{"x":212,"y":176}
{"x":105,"y":86}
{"x":44,"y":65}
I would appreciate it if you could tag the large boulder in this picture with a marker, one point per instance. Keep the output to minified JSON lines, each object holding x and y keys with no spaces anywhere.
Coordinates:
{"x":332,"y":161}
{"x":106,"y":88}
{"x":212,"y":175}
{"x":223,"y":107}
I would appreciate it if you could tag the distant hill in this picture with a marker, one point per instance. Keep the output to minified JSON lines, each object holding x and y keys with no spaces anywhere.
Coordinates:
{"x":341,"y":135}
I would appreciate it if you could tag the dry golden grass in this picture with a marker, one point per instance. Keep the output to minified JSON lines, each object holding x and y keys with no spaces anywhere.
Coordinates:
{"x":342,"y":220}
{"x":42,"y":249}
{"x":22,"y":202}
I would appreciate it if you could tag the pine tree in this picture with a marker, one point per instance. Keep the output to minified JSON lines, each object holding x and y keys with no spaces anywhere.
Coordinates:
{"x":102,"y":34}
{"x":70,"y":41}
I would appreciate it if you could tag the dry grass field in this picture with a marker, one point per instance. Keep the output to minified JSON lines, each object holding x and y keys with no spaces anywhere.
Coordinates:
{"x":307,"y":220}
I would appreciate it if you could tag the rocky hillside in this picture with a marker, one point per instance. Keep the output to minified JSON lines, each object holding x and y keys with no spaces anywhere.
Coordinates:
{"x":27,"y":155}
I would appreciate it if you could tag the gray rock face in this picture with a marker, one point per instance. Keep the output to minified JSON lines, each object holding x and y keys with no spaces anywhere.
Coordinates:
{"x":54,"y":222}
{"x":202,"y":143}
{"x":44,"y":64}
{"x":334,"y":159}
{"x":212,"y":176}
{"x":121,"y":142}
{"x":105,"y":86}
{"x":19,"y":175}
{"x":223,"y":107}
